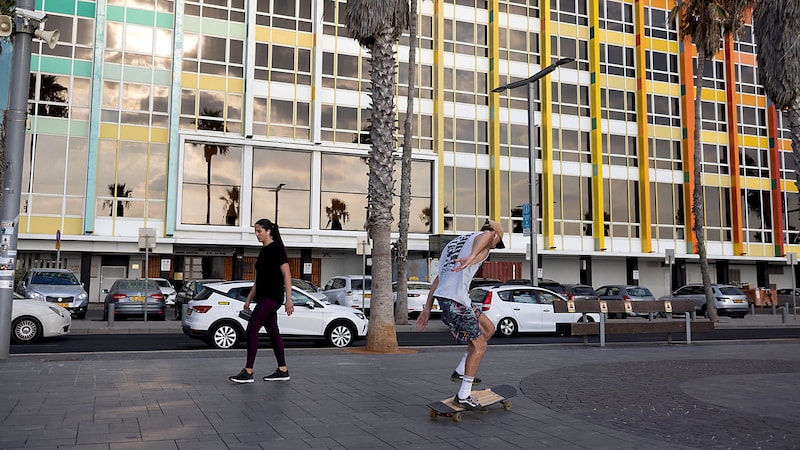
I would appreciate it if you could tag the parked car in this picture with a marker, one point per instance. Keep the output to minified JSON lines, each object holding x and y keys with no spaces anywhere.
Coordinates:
{"x":308,"y":287}
{"x":353,"y":291}
{"x":729,"y":300}
{"x":785,"y":296}
{"x":57,"y":286}
{"x":129,"y":297}
{"x":624,"y":292}
{"x":32,"y":320}
{"x":187,"y":292}
{"x":524,"y":309}
{"x":580,"y":292}
{"x":417,"y":296}
{"x":167,"y":289}
{"x":475,"y":282}
{"x":213,"y":316}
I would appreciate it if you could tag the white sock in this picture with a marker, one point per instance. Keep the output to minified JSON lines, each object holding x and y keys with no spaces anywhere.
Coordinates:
{"x":460,"y":366}
{"x":466,"y":387}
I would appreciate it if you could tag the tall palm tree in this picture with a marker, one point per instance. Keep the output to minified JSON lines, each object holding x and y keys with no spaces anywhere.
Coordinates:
{"x":705,"y":22}
{"x":401,"y":308}
{"x":118,"y":191}
{"x":210,"y":150}
{"x":231,"y":199}
{"x":778,"y":56}
{"x":377,"y":25}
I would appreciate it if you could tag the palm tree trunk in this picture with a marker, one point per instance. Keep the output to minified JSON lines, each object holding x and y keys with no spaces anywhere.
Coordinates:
{"x":208,"y":193}
{"x":382,"y":336}
{"x":697,"y":194}
{"x":794,"y":126}
{"x":401,"y":308}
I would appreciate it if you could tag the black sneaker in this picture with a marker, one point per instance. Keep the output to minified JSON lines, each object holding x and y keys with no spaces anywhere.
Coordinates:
{"x":278,"y":375}
{"x":456,"y":378}
{"x":242,"y":377}
{"x":470,"y":403}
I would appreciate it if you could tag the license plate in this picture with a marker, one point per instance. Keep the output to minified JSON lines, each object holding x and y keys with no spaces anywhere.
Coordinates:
{"x":738,"y":301}
{"x":367,"y":295}
{"x":63,"y":305}
{"x":435,"y":306}
{"x":137,"y":298}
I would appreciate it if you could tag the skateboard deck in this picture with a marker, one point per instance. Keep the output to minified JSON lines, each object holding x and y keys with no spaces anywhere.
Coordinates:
{"x":486,"y":397}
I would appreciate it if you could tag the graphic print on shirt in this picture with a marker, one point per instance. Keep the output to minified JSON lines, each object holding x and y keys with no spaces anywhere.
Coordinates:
{"x":452,"y":250}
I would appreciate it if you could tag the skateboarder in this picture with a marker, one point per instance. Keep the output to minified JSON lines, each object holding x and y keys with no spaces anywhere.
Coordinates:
{"x":458,"y":263}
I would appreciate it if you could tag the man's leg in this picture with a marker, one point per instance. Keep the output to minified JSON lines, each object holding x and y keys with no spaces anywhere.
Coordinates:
{"x":477,"y":347}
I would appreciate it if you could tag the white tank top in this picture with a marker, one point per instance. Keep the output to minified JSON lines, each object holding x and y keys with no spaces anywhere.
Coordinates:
{"x":455,"y":285}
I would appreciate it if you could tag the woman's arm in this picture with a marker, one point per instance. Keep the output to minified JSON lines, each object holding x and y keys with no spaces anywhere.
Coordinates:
{"x":287,"y":283}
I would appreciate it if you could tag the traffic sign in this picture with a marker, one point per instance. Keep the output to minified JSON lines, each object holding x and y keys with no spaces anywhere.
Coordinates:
{"x":526,"y":219}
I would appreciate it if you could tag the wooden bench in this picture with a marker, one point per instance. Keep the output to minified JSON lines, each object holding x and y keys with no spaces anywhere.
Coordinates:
{"x":652,"y":324}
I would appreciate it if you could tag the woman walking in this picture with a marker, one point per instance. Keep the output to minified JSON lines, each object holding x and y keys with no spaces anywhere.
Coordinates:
{"x":273,"y":279}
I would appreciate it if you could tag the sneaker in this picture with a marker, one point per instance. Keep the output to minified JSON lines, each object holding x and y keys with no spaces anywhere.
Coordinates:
{"x":470,"y":403}
{"x":278,"y":375}
{"x":456,"y":378}
{"x":242,"y":377}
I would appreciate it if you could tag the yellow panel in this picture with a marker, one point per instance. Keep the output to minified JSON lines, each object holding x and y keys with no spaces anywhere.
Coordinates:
{"x":788,"y":186}
{"x":262,"y":34}
{"x":757,"y":250}
{"x":665,"y":132}
{"x":235,"y":85}
{"x":49,"y":225}
{"x":108,"y":131}
{"x":658,"y":45}
{"x":763,"y":184}
{"x":189,"y":79}
{"x":134,"y":133}
{"x":661,"y":88}
{"x":615,"y":82}
{"x":749,"y":140}
{"x":212,"y":83}
{"x":159,"y":135}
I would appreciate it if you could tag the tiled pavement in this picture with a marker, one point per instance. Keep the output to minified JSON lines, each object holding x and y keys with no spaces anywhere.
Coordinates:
{"x":638,"y":396}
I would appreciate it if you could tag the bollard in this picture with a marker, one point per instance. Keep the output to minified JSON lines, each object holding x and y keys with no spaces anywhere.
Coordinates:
{"x":784,"y":314}
{"x":752,"y":309}
{"x":110,"y":315}
{"x":774,"y":309}
{"x":184,"y":309}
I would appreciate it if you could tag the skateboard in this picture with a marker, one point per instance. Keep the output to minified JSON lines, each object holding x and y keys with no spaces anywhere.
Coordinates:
{"x":486,"y":397}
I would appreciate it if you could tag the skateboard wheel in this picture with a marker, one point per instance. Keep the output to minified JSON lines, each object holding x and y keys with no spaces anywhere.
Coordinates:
{"x":432,"y":414}
{"x":457,"y":417}
{"x":506,"y":405}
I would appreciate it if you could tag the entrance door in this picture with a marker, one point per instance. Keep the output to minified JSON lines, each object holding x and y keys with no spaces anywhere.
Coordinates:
{"x":109,"y":274}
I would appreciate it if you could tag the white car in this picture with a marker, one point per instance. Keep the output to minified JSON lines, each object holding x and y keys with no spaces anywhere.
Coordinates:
{"x":168,"y":290}
{"x":32,"y":320}
{"x":354,"y":291}
{"x":524,"y":309}
{"x":417,"y":296}
{"x":213,"y":315}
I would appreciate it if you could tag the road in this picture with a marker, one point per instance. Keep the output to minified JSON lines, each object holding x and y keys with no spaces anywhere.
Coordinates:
{"x":88,"y":343}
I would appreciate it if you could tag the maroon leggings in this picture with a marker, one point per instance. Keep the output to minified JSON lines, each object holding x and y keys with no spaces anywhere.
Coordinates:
{"x":265,"y":314}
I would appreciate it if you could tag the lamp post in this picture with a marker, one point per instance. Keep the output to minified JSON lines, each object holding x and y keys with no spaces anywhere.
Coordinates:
{"x":530,"y":82}
{"x":277,"y":189}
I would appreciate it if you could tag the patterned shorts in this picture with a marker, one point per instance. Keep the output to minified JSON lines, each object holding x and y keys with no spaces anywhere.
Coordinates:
{"x":462,"y":320}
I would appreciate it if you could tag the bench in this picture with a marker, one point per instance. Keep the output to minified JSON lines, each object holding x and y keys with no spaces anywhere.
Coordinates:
{"x":650,"y":307}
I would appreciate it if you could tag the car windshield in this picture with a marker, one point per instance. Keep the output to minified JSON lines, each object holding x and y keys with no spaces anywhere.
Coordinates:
{"x":57,"y":278}
{"x":639,"y":292}
{"x":730,"y":290}
{"x":304,"y":285}
{"x":136,"y":285}
{"x":477,"y":295}
{"x":356,"y":283}
{"x":583,"y":291}
{"x":163,"y":283}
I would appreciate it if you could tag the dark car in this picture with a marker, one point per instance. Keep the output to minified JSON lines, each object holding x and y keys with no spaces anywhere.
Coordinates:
{"x":580,"y":292}
{"x":624,"y":292}
{"x":187,"y":292}
{"x":785,"y":297}
{"x":129,"y":297}
{"x":483,"y":282}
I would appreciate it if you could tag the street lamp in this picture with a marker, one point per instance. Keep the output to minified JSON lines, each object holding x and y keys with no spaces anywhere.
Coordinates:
{"x":277,"y":189}
{"x":531,"y":156}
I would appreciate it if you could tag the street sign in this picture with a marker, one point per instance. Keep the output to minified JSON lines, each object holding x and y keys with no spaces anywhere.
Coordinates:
{"x":526,"y":219}
{"x":58,"y":239}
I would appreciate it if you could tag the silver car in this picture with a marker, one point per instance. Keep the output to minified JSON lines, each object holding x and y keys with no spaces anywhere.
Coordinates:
{"x":57,"y":286}
{"x":129,"y":297}
{"x":729,"y":300}
{"x":624,"y":292}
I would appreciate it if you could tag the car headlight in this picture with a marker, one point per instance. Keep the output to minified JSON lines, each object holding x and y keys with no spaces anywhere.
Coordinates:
{"x":360,"y":315}
{"x":82,"y":296}
{"x":35,"y":295}
{"x":58,"y":311}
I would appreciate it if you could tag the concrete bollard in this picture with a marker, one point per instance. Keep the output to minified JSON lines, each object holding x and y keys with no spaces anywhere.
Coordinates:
{"x":110,"y":315}
{"x":774,"y":309}
{"x":784,"y":314}
{"x":752,"y":309}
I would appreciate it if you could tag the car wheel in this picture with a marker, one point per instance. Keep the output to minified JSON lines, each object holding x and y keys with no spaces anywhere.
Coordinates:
{"x":81,"y":316}
{"x":507,"y":327}
{"x":224,"y":336}
{"x":587,"y":319}
{"x":340,"y":334}
{"x":26,"y":329}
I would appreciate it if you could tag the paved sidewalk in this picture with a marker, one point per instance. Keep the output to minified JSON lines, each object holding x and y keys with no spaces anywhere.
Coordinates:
{"x":653,"y":396}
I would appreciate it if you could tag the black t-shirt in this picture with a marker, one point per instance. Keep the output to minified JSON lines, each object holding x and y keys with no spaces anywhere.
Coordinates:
{"x":269,"y":279}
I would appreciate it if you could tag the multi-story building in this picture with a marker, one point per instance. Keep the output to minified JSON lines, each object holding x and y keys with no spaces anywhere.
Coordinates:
{"x":198,"y":117}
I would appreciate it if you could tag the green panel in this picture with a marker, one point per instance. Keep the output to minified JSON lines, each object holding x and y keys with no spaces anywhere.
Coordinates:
{"x":238,"y":30}
{"x":38,"y":6}
{"x":52,"y":64}
{"x":51,"y":126}
{"x":140,"y":17}
{"x":112,"y":72}
{"x":138,"y":75}
{"x":164,"y":20}
{"x":116,"y":14}
{"x":61,"y":6}
{"x":82,"y":68}
{"x":86,"y":9}
{"x":79,"y":128}
{"x":162,"y":77}
{"x":192,"y":23}
{"x":34,"y":63}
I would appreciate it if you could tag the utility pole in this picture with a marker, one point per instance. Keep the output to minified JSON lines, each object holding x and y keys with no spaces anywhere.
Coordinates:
{"x":26,"y":22}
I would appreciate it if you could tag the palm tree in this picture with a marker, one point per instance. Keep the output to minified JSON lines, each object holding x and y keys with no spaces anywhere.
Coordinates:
{"x":401,"y":308}
{"x":377,"y":25}
{"x":49,"y":91}
{"x":778,"y":56}
{"x":705,"y":22}
{"x":337,"y":214}
{"x":118,"y":191}
{"x":210,"y":150}
{"x":231,"y":207}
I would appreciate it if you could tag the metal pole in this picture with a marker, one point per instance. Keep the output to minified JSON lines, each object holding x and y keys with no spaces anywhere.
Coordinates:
{"x":277,"y":189}
{"x":794,"y":299}
{"x":146,"y":271}
{"x":12,"y":182}
{"x":532,"y":183}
